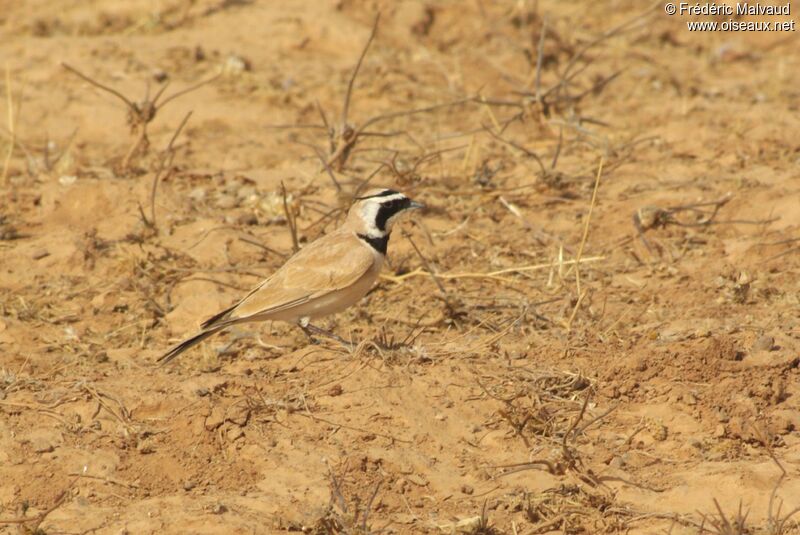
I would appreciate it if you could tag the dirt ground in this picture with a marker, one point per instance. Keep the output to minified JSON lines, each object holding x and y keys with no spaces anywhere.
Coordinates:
{"x":578,"y":363}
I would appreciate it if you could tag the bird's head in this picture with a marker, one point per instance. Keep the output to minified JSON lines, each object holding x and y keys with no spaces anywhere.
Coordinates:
{"x":374,"y":213}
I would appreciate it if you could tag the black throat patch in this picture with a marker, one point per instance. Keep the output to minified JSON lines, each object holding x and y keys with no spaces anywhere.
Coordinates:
{"x":379,"y":244}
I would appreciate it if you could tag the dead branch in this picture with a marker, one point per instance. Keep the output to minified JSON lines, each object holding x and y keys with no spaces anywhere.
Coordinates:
{"x":164,"y":163}
{"x":140,"y":114}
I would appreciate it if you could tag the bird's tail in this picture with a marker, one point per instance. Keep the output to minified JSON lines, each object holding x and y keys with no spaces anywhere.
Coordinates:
{"x":188,"y":343}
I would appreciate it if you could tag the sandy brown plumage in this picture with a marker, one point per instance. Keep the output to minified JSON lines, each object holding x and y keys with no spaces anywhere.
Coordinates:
{"x":325,"y":277}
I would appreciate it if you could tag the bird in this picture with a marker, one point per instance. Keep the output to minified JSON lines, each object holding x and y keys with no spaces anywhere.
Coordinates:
{"x":326,"y":276}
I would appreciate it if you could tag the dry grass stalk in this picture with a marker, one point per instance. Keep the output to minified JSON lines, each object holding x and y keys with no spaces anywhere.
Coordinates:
{"x":11,"y":126}
{"x":493,"y":275}
{"x":165,"y":162}
{"x":582,"y":295}
{"x":36,"y":521}
{"x":291,"y":219}
{"x":586,"y":228}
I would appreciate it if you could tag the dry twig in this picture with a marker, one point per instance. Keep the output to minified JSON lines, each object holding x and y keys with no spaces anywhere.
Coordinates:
{"x":164,"y":163}
{"x":140,"y":114}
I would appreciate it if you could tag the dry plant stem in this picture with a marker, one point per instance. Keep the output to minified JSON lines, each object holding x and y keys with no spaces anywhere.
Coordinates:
{"x":368,"y":507}
{"x":109,"y":480}
{"x":140,"y":114}
{"x":569,"y":75}
{"x":430,"y":270}
{"x":342,"y":144}
{"x":38,"y":519}
{"x":338,"y":158}
{"x":256,"y":243}
{"x":290,"y":220}
{"x":325,"y":164}
{"x":99,"y":85}
{"x":776,"y":523}
{"x":184,"y":91}
{"x":164,"y":162}
{"x":11,"y":129}
{"x":492,"y":274}
{"x":519,"y":147}
{"x":575,"y":423}
{"x":348,"y":95}
{"x":558,"y":149}
{"x":539,"y":61}
{"x":586,"y":228}
{"x":311,"y":415}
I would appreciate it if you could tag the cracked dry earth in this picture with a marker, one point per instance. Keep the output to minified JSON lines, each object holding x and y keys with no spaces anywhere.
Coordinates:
{"x":519,"y":391}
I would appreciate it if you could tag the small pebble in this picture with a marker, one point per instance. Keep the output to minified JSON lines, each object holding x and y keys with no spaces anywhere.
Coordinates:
{"x":197,"y":194}
{"x":42,"y":445}
{"x":235,"y":65}
{"x":215,"y":419}
{"x":247,"y":218}
{"x":40,"y":253}
{"x":246,"y":191}
{"x":226,"y":201}
{"x":417,"y":480}
{"x":466,"y":489}
{"x":659,"y":432}
{"x":159,"y":75}
{"x":764,"y":343}
{"x":237,"y":414}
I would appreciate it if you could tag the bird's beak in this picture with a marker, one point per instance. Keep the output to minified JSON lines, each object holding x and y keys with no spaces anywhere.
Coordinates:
{"x":414,"y":205}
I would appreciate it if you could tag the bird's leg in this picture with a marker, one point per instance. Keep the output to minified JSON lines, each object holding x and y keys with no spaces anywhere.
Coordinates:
{"x":311,"y":330}
{"x":322,"y":332}
{"x":307,"y":332}
{"x":303,"y":324}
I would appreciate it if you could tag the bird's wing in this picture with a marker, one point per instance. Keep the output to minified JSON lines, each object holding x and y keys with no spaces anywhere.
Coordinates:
{"x":331,"y":263}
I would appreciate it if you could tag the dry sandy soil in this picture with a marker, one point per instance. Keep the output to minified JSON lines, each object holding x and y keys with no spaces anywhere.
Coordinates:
{"x":627,"y":363}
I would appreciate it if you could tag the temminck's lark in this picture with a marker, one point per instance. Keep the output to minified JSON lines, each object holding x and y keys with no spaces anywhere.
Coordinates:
{"x":324,"y":277}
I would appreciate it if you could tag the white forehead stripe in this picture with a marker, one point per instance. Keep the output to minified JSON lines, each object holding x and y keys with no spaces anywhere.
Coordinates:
{"x":389,"y":198}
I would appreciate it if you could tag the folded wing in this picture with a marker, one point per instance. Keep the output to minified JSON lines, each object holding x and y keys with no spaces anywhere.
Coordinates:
{"x":331,"y":263}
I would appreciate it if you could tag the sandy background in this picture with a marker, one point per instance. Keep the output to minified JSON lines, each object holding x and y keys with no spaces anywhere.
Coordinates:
{"x":512,"y":394}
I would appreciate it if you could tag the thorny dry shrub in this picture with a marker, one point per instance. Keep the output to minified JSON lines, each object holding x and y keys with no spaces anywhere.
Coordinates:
{"x":570,"y":508}
{"x":546,"y":410}
{"x":537,"y":404}
{"x":351,"y":502}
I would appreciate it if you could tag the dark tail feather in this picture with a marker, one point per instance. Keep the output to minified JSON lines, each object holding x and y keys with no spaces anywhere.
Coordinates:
{"x":186,"y":344}
{"x":209,"y":323}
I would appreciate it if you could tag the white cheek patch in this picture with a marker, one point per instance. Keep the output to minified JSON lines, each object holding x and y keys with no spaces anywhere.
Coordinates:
{"x":369,"y":212}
